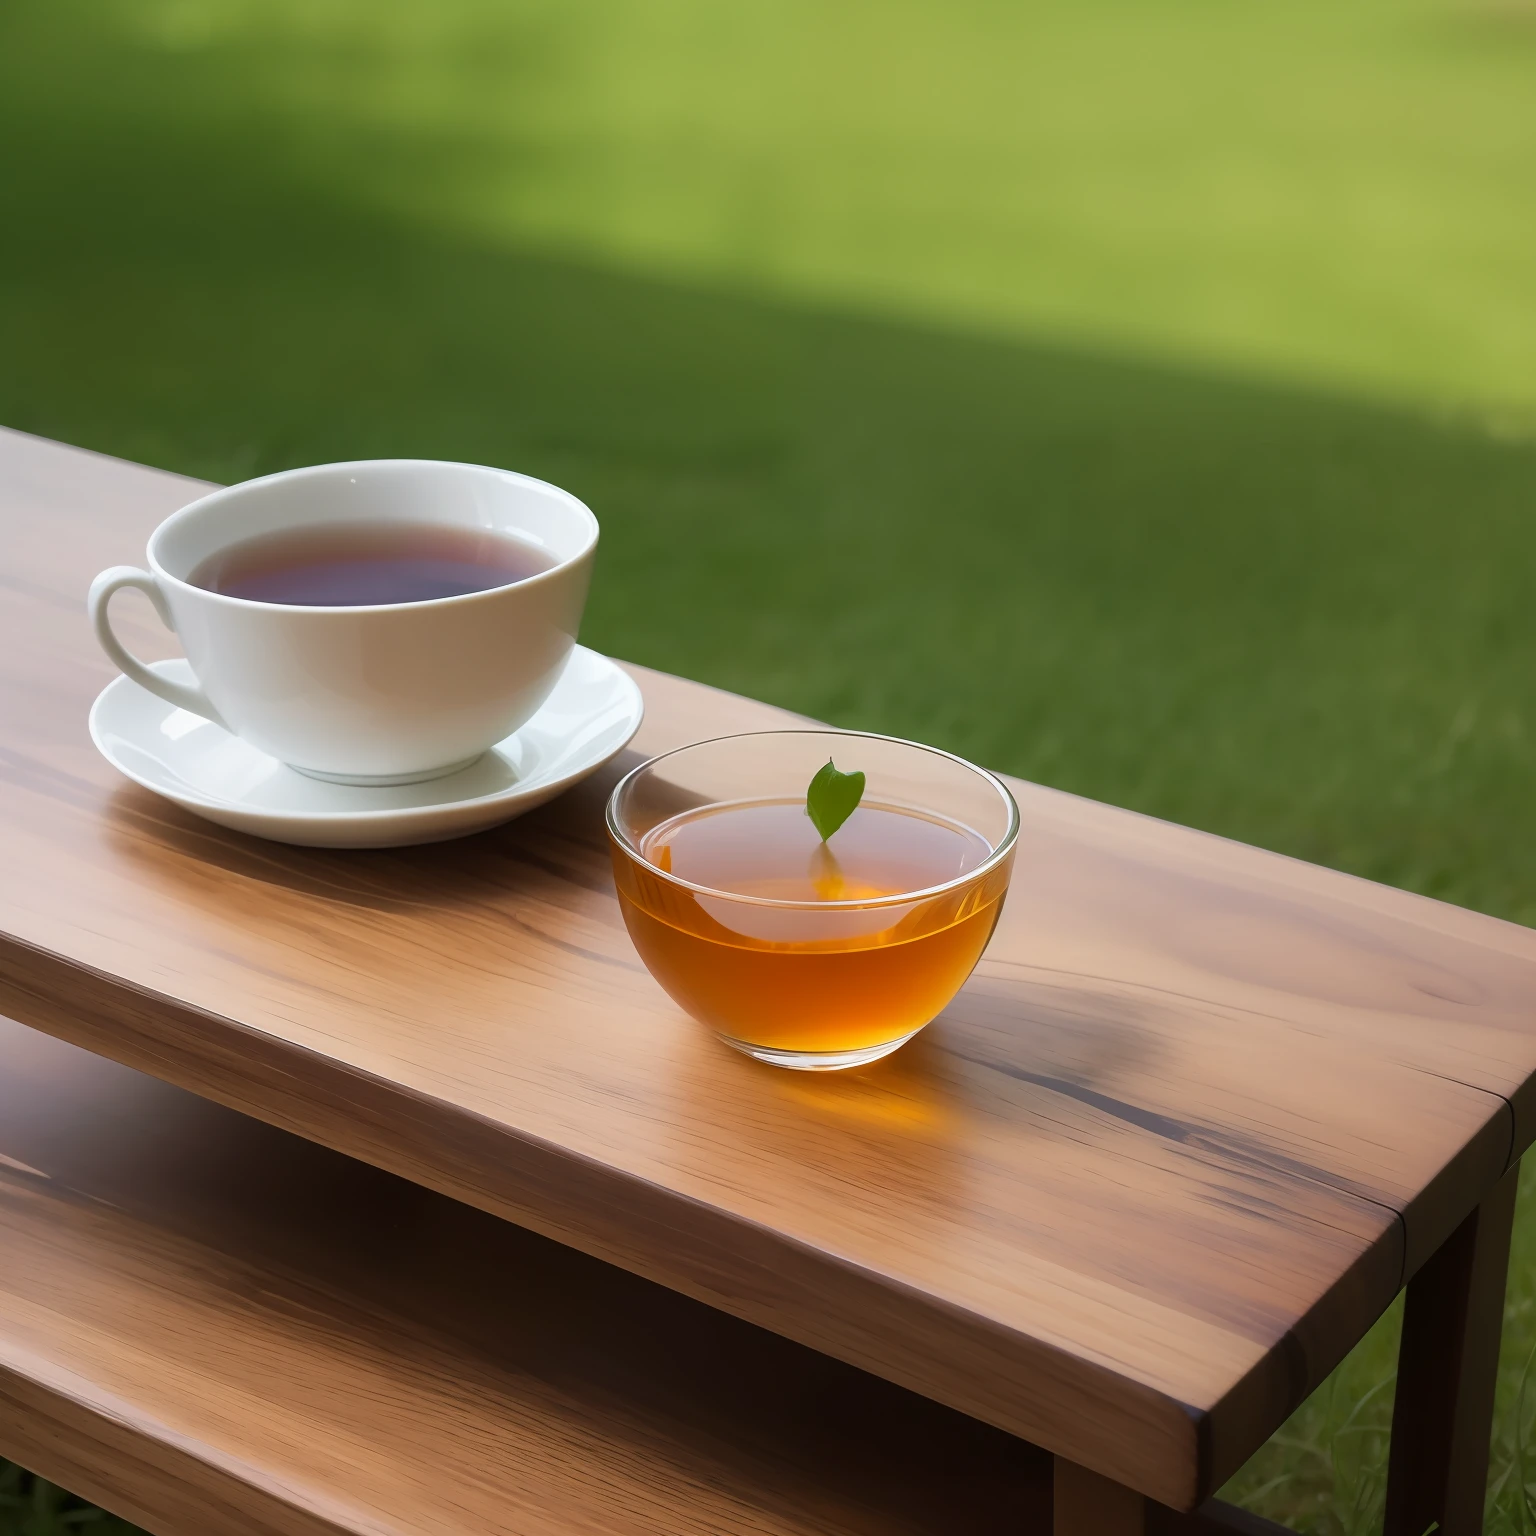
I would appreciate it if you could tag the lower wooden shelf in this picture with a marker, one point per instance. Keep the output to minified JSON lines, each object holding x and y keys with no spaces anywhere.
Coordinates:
{"x":209,"y":1325}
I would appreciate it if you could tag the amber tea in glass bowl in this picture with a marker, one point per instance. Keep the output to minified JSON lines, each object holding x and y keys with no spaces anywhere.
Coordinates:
{"x":803,"y":952}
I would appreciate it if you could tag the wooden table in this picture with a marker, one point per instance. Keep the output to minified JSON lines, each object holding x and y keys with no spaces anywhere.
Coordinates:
{"x":1199,"y":1115}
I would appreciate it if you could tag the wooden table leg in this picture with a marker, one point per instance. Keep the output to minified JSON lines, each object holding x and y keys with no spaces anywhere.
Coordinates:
{"x":1086,"y":1504}
{"x":1089,"y":1505}
{"x":1443,"y":1417}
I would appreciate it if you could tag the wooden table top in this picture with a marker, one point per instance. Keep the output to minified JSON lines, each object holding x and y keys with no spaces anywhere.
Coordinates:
{"x":1197,"y":1116}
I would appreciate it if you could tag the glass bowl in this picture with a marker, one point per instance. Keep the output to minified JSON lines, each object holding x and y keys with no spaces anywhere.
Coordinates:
{"x":803,"y":953}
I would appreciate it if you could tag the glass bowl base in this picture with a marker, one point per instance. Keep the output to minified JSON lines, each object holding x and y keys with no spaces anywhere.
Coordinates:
{"x":818,"y":1061}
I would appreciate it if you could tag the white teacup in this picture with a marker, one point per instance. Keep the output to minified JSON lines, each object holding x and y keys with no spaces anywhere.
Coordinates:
{"x":385,"y":694}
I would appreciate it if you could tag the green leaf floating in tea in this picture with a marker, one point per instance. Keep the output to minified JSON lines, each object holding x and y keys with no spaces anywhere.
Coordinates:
{"x":832,"y":798}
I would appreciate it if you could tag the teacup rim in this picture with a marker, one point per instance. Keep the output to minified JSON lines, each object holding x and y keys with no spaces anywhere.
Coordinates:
{"x":221,"y":492}
{"x":1001,"y":852}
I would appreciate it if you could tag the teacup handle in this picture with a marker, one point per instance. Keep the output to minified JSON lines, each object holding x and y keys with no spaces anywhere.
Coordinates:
{"x":182,"y":695}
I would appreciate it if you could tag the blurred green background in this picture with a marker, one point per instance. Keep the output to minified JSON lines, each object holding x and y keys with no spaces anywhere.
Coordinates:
{"x":1137,"y":395}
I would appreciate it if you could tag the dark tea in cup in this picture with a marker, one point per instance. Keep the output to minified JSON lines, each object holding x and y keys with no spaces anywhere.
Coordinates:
{"x":355,"y":565}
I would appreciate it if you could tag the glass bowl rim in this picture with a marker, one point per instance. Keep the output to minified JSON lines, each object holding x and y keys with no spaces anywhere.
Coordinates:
{"x":900,"y":898}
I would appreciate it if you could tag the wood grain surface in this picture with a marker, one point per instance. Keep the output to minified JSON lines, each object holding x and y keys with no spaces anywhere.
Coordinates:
{"x":1196,"y":1118}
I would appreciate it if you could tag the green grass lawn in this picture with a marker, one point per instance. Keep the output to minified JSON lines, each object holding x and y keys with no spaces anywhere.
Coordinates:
{"x":1138,"y":397}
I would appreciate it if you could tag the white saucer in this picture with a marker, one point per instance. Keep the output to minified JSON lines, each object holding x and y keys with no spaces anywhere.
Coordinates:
{"x":590,"y":716}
